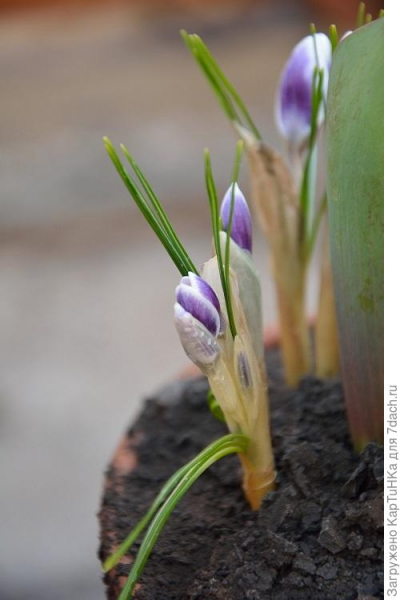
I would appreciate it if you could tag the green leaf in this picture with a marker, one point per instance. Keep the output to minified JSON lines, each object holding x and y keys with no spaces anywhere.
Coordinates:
{"x":152,"y":211}
{"x":360,"y":15}
{"x":307,"y":190}
{"x":229,"y":444}
{"x":215,"y":221}
{"x":310,"y":244}
{"x":214,"y":407}
{"x":114,"y":558}
{"x":355,"y":185}
{"x":333,"y":36}
{"x":229,"y":98}
{"x":159,"y":209}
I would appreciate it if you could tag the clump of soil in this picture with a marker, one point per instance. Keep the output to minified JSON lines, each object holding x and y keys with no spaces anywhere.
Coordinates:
{"x":319,"y":536}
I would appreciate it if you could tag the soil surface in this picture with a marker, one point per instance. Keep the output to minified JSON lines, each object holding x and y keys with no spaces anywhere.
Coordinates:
{"x":319,"y":536}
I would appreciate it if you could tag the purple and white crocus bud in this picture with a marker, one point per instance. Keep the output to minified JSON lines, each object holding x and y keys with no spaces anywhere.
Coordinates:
{"x":293,"y":107}
{"x":241,"y":231}
{"x":198,"y":319}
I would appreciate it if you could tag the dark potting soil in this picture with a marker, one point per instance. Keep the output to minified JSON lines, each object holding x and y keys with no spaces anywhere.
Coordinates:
{"x":319,"y":536}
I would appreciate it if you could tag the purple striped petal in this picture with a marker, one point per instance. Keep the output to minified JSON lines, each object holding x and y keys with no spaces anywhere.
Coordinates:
{"x":204,"y":288}
{"x":242,"y":231}
{"x":199,"y":344}
{"x":193,"y":302}
{"x":293,"y":109}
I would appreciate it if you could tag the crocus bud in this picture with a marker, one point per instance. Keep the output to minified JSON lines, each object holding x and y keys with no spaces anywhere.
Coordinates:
{"x":293,"y":108}
{"x":241,"y":231}
{"x":198,"y":319}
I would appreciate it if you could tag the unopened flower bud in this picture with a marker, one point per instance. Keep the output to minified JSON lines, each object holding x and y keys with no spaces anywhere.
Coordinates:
{"x":198,"y":319}
{"x":241,"y":231}
{"x":293,"y":109}
{"x":198,"y":298}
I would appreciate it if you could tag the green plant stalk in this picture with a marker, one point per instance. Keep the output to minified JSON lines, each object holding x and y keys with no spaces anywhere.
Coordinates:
{"x":327,"y":362}
{"x":241,"y":398}
{"x":247,"y":411}
{"x":355,"y":194}
{"x":239,"y":445}
{"x":276,"y":201}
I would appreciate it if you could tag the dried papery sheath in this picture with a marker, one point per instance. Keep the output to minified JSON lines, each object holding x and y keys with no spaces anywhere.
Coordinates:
{"x":294,"y":100}
{"x":241,"y":228}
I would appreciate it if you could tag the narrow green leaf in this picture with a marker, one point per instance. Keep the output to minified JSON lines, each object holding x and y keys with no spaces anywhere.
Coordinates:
{"x":333,"y":36}
{"x":313,"y":29}
{"x":235,"y":175}
{"x":159,"y":210}
{"x":307,"y":189}
{"x":228,"y":86}
{"x":360,"y":15}
{"x":239,"y":445}
{"x":180,"y":259}
{"x":310,"y":244}
{"x":214,"y":407}
{"x":231,"y":101}
{"x":215,"y":221}
{"x":114,"y":558}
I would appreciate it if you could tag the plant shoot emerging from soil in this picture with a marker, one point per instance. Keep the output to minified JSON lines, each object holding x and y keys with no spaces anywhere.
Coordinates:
{"x":218,"y":318}
{"x":217,"y":308}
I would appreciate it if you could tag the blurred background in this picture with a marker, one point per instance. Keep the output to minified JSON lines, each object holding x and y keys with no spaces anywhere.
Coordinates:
{"x":86,"y":290}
